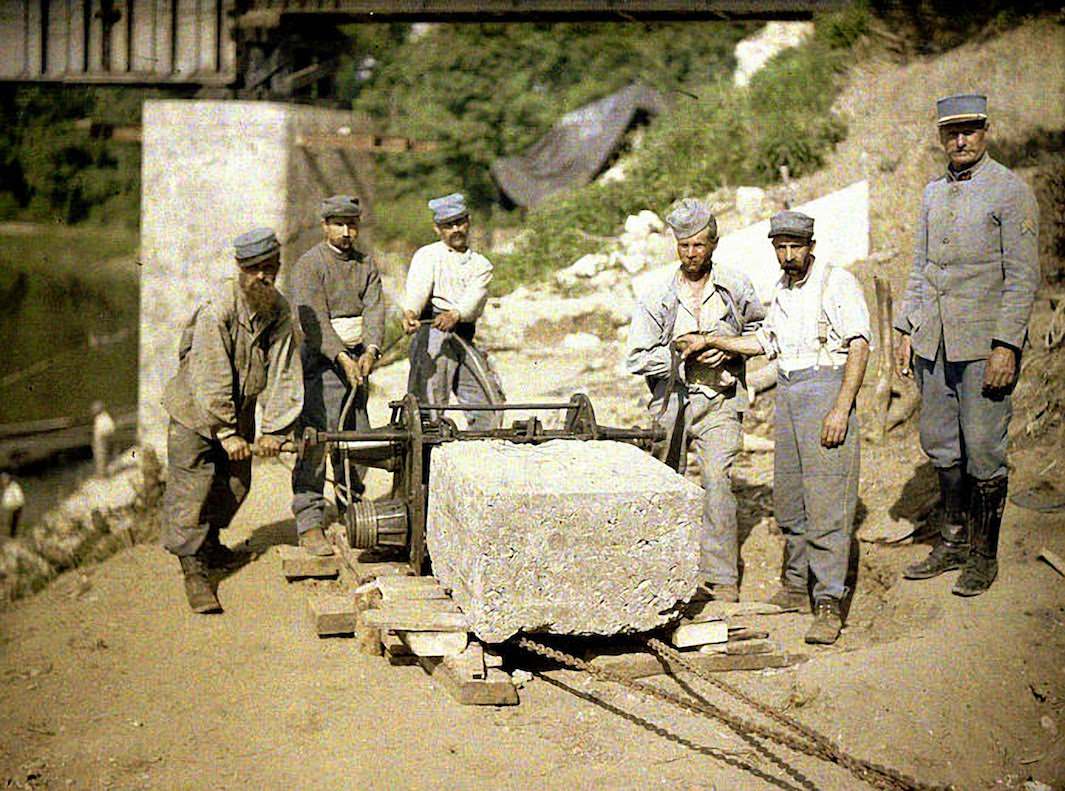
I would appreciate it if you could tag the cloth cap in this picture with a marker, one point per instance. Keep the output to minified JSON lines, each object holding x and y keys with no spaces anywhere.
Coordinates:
{"x":961,"y":107}
{"x":254,"y":246}
{"x":340,"y":206}
{"x":688,"y":216}
{"x":791,"y":223}
{"x":449,"y":207}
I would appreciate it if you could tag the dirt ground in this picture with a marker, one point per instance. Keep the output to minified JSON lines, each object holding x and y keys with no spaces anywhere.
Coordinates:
{"x":108,"y":681}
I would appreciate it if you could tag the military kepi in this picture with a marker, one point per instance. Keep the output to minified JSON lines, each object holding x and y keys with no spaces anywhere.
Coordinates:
{"x":688,"y":216}
{"x":791,"y":223}
{"x":961,"y":107}
{"x":254,"y":246}
{"x":450,"y":207}
{"x":340,"y":206}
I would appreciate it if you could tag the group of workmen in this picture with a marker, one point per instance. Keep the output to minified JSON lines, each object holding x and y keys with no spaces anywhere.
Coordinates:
{"x":962,"y":326}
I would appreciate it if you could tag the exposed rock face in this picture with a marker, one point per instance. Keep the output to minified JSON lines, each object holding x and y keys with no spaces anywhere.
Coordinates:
{"x":568,"y":537}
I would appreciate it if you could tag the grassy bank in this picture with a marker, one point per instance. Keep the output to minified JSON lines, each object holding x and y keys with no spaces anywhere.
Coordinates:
{"x":69,"y":324}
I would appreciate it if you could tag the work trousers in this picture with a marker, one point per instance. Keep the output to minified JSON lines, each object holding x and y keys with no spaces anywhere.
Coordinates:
{"x":204,"y":488}
{"x":959,"y":424}
{"x":324,"y":391}
{"x":815,"y":489}
{"x":440,"y":366}
{"x":714,"y":426}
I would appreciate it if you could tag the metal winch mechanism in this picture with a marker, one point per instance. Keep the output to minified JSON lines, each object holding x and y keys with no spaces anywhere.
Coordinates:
{"x":403,"y":446}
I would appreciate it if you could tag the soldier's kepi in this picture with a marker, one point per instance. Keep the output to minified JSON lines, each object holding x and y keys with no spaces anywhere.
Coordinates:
{"x":236,"y":351}
{"x":963,"y":322}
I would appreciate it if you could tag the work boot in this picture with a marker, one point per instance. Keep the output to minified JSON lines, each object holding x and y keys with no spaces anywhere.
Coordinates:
{"x":952,"y":549}
{"x":791,"y":599}
{"x":827,"y":622}
{"x":709,"y":591}
{"x":314,"y":542}
{"x":218,"y":556}
{"x":198,"y":589}
{"x":985,"y":522}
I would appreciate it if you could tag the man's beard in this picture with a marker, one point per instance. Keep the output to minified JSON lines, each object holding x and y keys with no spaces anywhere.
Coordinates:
{"x":261,"y":298}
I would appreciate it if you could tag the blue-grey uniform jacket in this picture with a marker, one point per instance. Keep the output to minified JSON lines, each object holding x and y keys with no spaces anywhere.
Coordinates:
{"x":651,"y":331}
{"x":976,"y":265}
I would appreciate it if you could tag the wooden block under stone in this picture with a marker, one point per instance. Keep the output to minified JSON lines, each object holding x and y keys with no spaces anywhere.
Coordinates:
{"x":332,"y":613}
{"x":641,"y":664}
{"x":296,"y":563}
{"x":434,"y":643}
{"x":495,"y":689}
{"x":396,"y":651}
{"x":416,"y":618}
{"x":566,"y":537}
{"x":690,"y":634}
{"x":396,"y":588}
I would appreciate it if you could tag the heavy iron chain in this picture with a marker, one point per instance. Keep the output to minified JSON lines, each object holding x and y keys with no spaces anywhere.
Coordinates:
{"x":817,"y":746}
{"x":872,"y":773}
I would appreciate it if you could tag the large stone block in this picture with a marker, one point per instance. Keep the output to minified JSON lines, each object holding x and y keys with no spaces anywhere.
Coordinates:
{"x":567,"y":537}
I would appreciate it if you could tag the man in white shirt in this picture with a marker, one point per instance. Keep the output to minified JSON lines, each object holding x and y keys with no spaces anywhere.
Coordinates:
{"x":11,"y":502}
{"x":817,"y":328}
{"x":447,"y":288}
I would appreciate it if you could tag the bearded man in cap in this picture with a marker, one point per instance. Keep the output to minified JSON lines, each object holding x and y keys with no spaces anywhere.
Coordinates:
{"x":337,"y":292}
{"x":963,"y":322}
{"x":236,"y":351}
{"x":703,"y":400}
{"x":447,"y":288}
{"x":817,"y":329}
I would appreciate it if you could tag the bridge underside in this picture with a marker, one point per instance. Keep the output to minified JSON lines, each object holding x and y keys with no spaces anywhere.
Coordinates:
{"x":276,"y":48}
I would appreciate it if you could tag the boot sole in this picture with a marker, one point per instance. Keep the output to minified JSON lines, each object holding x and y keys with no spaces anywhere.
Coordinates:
{"x":209,"y":609}
{"x":928,"y":576}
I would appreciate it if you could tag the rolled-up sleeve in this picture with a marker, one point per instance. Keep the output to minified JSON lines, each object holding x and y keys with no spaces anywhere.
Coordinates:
{"x":1019,"y":229}
{"x":766,"y":336}
{"x":282,"y":398}
{"x":419,"y":282}
{"x":846,"y":307}
{"x":648,"y":352}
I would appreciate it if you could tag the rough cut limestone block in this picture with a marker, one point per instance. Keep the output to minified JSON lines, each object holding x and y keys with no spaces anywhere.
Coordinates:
{"x":568,"y":537}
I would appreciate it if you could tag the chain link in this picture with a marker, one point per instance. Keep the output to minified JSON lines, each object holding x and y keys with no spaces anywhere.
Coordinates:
{"x":812,"y":743}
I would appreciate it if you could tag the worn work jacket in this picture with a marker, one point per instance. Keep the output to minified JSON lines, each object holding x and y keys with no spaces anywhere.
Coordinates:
{"x":229,"y":357}
{"x":976,"y":264}
{"x":655,"y":314}
{"x":326,"y":285}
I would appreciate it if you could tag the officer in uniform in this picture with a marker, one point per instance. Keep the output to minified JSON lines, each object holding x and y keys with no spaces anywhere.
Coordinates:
{"x":817,"y":329}
{"x":237,"y":351}
{"x":337,"y":292}
{"x":963,"y":322}
{"x":703,"y":400}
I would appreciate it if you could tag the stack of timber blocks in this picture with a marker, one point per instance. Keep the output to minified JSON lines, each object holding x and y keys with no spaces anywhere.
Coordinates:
{"x":566,"y":537}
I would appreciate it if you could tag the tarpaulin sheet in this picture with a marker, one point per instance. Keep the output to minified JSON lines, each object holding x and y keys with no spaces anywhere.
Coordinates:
{"x":576,"y":148}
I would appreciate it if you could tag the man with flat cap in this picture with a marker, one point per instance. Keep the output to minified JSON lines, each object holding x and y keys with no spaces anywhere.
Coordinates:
{"x":337,"y":292}
{"x":702,"y":401}
{"x":817,"y":329}
{"x":963,"y":322}
{"x":236,"y":351}
{"x":447,"y":288}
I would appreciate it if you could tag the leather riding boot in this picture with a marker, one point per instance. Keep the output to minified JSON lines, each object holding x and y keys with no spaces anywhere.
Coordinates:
{"x":198,"y":590}
{"x":952,"y":550}
{"x":988,"y":503}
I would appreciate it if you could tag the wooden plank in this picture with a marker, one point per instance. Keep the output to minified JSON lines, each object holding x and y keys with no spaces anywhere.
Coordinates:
{"x":691,"y":634}
{"x":703,"y":611}
{"x":469,"y":663}
{"x":368,"y":639}
{"x":396,"y":589}
{"x":641,"y":664}
{"x":434,"y":643}
{"x":296,"y":563}
{"x":416,"y":619}
{"x":743,"y":633}
{"x":332,"y":613}
{"x":744,"y":647}
{"x":495,"y":689}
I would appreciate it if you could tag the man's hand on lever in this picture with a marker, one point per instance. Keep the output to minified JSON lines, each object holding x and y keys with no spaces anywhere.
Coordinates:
{"x":446,"y":321}
{"x":236,"y":448}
